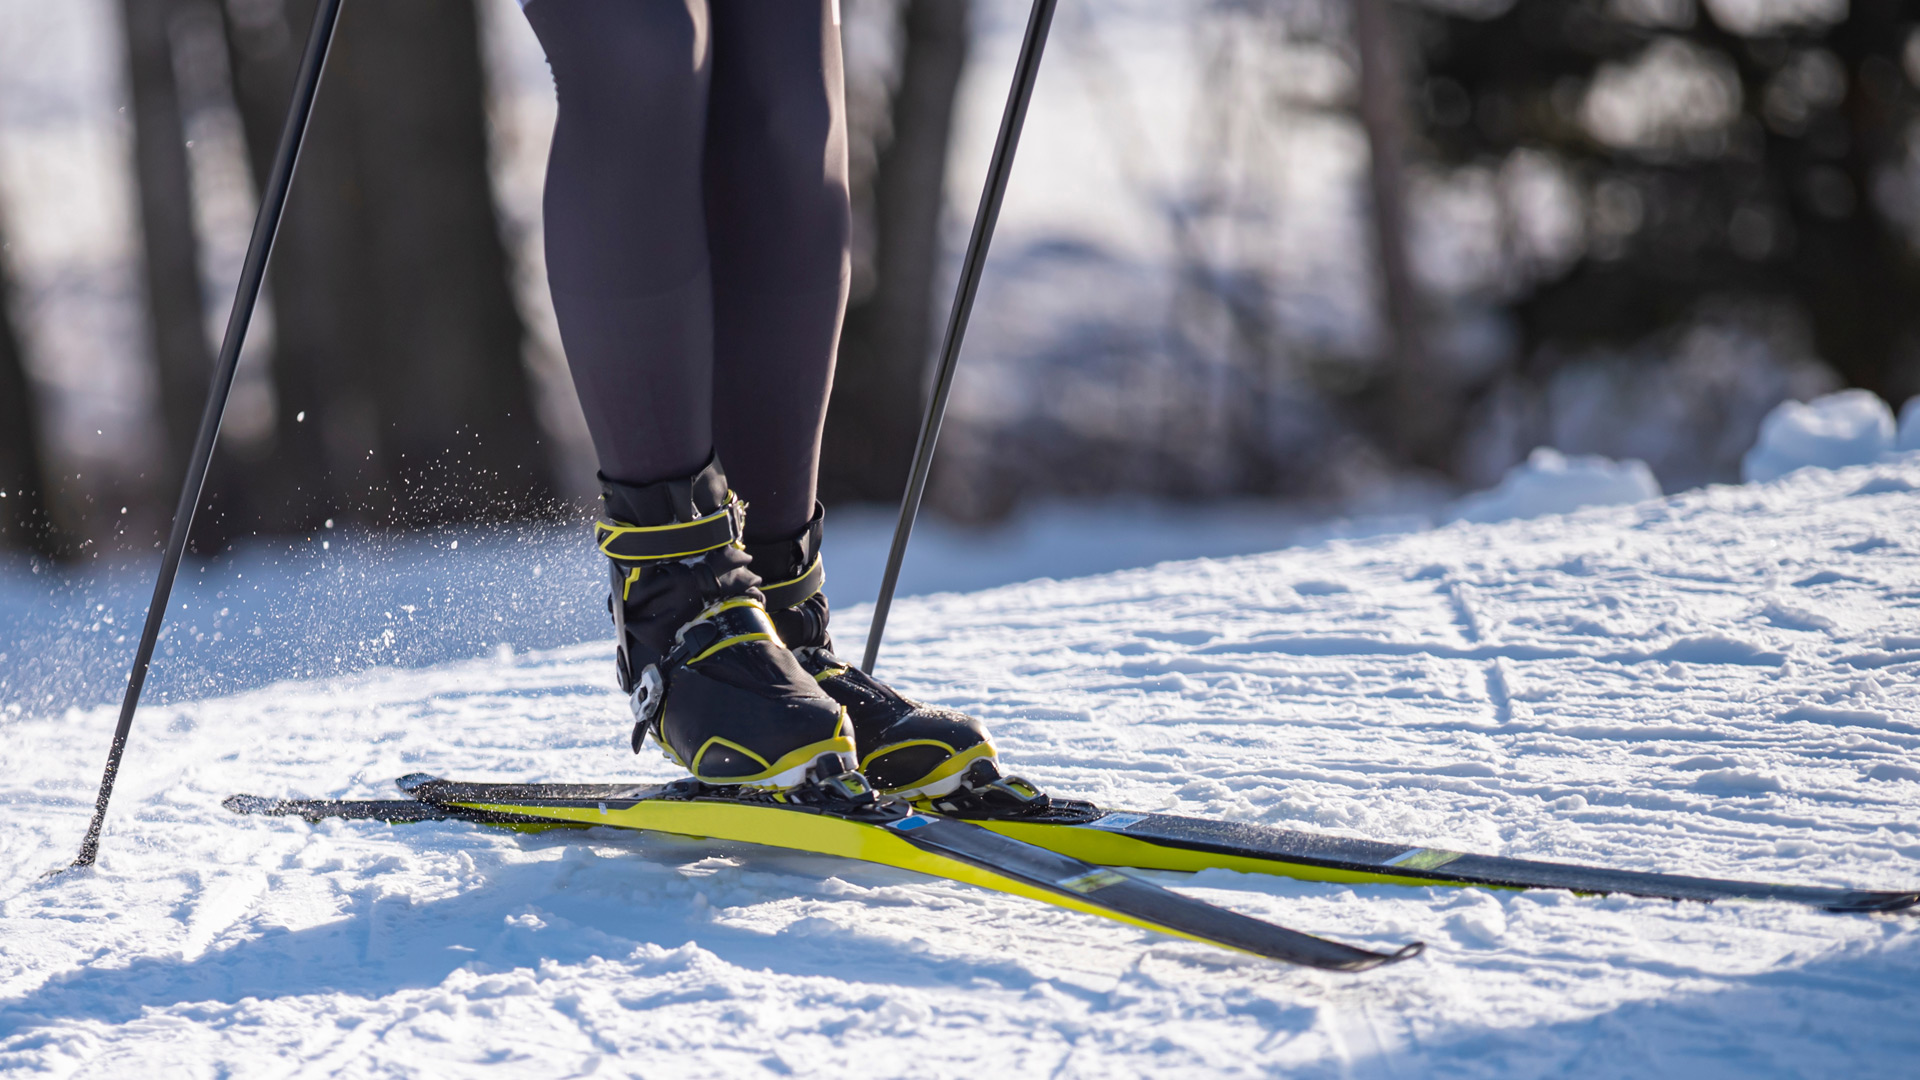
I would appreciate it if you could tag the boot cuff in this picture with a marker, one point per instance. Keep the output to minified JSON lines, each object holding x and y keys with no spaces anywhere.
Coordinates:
{"x":665,"y":501}
{"x":788,"y":557}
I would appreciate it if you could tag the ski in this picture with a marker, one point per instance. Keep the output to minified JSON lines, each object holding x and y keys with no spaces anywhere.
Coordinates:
{"x":856,"y":825}
{"x":1146,"y":841}
{"x":1170,"y":842}
{"x":392,"y":811}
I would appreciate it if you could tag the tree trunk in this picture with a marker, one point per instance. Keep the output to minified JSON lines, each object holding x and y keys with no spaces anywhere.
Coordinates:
{"x":175,"y":304}
{"x":403,"y":398}
{"x":24,"y":524}
{"x":1418,"y":424}
{"x":879,"y":386}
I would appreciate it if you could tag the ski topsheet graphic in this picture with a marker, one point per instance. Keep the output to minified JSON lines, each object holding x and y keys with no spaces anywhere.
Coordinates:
{"x":1145,"y":841}
{"x":885,"y":831}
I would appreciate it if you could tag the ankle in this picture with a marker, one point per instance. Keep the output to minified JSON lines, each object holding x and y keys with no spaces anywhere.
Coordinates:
{"x":674,"y":552}
{"x":792,"y":574}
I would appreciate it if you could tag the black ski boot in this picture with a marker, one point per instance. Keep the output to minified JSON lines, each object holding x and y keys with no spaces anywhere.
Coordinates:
{"x":704,"y":668}
{"x":921,"y":752}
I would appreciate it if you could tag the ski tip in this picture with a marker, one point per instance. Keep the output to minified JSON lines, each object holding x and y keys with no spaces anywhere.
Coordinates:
{"x":1406,"y":952}
{"x":1871,"y":902}
{"x":413,"y":782}
{"x":249,"y":804}
{"x":1367,"y":961}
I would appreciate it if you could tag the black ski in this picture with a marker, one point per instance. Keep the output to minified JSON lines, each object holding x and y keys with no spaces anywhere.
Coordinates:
{"x":393,"y":811}
{"x":1171,"y":842}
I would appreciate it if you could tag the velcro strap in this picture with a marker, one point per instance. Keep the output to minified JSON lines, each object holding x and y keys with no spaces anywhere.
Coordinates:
{"x":679,"y":540}
{"x":782,"y":595}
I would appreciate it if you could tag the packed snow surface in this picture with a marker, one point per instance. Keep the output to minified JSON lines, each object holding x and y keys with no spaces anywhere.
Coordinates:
{"x":1718,"y":683}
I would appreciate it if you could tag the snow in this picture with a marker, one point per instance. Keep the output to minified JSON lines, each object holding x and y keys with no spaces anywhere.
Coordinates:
{"x":1550,"y":482}
{"x":1719,"y":682}
{"x":343,"y":600}
{"x":1851,"y":427}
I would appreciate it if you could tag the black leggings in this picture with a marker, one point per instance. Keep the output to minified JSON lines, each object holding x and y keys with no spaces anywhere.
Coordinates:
{"x":696,"y":225}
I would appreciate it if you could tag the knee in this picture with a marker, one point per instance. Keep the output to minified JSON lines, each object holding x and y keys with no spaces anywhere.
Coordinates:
{"x":623,"y":58}
{"x":790,"y":132}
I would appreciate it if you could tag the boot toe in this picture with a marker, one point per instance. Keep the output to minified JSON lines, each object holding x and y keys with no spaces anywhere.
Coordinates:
{"x":747,"y":721}
{"x":907,"y":748}
{"x":925,"y":752}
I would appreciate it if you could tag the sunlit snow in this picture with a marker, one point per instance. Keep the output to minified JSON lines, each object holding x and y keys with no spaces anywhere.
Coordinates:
{"x":1719,"y":682}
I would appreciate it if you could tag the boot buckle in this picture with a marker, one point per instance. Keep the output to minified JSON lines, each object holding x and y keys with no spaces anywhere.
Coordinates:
{"x":649,"y":690}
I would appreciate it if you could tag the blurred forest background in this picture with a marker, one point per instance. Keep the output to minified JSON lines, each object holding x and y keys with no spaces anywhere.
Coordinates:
{"x":1340,"y":252}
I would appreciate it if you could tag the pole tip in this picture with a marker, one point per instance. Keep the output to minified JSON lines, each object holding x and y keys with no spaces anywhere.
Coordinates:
{"x":62,"y":871}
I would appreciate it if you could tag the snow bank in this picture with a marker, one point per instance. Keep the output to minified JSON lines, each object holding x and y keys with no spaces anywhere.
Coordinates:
{"x":1852,"y":427}
{"x":1908,"y":437}
{"x":1550,"y":482}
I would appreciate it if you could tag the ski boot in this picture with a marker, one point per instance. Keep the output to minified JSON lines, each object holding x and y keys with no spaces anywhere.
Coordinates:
{"x":937,"y":757}
{"x":699,"y":659}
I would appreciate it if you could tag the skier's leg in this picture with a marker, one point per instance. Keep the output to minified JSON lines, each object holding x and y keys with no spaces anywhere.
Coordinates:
{"x":777,"y":224}
{"x":627,"y":258}
{"x":628,"y":267}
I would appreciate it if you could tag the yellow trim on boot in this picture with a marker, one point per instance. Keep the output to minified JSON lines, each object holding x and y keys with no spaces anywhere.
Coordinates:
{"x":725,"y":643}
{"x":608,"y":531}
{"x":767,"y":633}
{"x":729,"y":605}
{"x":661,"y":742}
{"x":891,"y":747}
{"x":840,"y":744}
{"x":953,"y":766}
{"x":797,"y":578}
{"x":717,"y":740}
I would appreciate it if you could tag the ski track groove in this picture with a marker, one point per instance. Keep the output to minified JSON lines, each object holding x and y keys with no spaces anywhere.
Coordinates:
{"x":1715,"y":684}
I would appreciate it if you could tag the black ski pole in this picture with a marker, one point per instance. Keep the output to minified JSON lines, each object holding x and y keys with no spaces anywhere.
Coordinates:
{"x":1025,"y":71}
{"x":273,"y":200}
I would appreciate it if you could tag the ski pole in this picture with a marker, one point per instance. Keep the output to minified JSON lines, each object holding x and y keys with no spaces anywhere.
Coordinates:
{"x":273,"y":202}
{"x":1025,"y":71}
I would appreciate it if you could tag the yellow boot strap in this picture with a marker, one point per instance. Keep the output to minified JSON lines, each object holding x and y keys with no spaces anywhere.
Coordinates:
{"x":676,"y":540}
